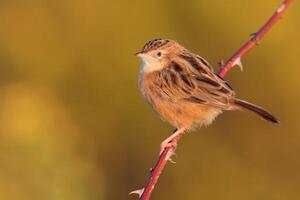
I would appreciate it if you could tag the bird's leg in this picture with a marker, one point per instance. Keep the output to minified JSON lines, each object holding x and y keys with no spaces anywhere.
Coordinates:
{"x":171,"y":141}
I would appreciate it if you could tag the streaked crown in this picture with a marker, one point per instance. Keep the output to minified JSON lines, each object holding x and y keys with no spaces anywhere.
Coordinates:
{"x":154,"y":44}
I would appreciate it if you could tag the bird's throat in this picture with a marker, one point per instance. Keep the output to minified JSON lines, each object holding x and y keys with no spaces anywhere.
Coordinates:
{"x":147,"y":67}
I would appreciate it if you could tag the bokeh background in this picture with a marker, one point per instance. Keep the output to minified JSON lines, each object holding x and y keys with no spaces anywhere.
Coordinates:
{"x":73,"y":124}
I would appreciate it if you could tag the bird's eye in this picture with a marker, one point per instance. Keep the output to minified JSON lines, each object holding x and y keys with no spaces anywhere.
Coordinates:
{"x":158,"y":54}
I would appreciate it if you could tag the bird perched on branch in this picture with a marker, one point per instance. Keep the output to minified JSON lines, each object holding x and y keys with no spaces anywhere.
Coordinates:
{"x":183,"y":89}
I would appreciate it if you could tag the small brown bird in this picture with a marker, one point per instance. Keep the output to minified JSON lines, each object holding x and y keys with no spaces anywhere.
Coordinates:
{"x":183,"y":89}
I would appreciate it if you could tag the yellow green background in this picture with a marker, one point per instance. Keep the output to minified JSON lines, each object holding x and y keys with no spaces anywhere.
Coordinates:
{"x":73,"y":125}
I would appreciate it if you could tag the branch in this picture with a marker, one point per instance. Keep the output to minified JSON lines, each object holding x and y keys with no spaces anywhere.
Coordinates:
{"x":146,"y":192}
{"x":236,"y":58}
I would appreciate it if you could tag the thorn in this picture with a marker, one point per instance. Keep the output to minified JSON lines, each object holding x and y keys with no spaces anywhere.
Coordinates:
{"x":221,"y":63}
{"x":138,"y":192}
{"x":280,"y":8}
{"x":253,"y":34}
{"x":151,"y":170}
{"x":170,"y":154}
{"x":171,"y":161}
{"x":239,"y":63}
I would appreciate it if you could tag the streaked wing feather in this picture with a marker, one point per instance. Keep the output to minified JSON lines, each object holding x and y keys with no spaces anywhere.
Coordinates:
{"x":192,"y":79}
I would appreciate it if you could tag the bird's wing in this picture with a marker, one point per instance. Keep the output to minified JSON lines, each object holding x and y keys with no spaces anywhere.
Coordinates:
{"x":191,"y":79}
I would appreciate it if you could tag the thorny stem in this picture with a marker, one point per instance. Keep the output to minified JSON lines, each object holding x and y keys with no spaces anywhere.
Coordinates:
{"x":157,"y":170}
{"x":165,"y":156}
{"x":254,"y":39}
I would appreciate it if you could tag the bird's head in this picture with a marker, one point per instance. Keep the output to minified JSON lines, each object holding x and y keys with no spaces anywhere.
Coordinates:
{"x":157,"y":53}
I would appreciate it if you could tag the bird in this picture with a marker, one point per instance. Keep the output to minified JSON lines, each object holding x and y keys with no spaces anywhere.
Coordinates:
{"x":183,"y":89}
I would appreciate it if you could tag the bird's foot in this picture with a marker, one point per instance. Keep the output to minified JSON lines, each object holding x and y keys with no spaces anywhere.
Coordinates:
{"x":168,"y":143}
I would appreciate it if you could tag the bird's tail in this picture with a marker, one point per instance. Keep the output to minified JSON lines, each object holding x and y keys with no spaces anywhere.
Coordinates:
{"x":260,"y":111}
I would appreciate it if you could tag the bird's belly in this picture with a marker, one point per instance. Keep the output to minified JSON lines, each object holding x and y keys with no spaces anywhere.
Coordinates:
{"x":183,"y":114}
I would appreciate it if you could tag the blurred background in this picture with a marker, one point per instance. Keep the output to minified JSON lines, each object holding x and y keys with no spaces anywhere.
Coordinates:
{"x":73,"y":124}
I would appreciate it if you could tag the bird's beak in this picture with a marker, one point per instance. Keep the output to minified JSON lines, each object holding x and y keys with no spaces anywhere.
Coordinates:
{"x":139,"y":54}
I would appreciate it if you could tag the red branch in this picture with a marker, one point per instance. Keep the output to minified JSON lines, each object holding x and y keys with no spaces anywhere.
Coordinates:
{"x":255,"y":39}
{"x":235,"y":59}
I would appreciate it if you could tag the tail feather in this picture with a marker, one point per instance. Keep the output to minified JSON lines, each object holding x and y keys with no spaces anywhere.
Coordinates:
{"x":260,"y":111}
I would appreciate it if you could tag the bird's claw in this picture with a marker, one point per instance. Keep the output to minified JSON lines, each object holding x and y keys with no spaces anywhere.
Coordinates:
{"x":167,"y":144}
